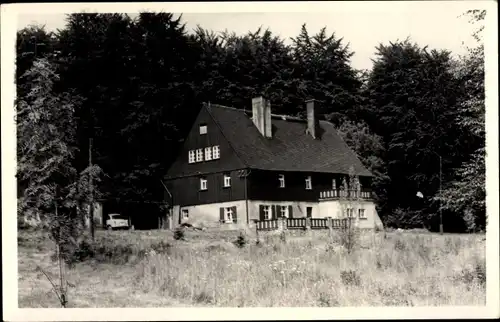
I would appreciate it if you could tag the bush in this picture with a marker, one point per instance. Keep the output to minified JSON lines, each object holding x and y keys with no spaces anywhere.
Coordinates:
{"x":350,"y":277}
{"x":179,"y":234}
{"x":241,"y":241}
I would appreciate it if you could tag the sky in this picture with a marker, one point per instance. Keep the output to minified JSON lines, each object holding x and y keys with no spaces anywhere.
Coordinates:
{"x":430,"y":23}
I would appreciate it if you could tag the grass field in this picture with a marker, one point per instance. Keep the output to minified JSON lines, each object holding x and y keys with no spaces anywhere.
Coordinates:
{"x":207,"y":269}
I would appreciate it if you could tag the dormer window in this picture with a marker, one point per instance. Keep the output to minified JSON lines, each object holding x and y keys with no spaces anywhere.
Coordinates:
{"x":281,"y":179}
{"x":203,"y":129}
{"x":308,"y":183}
{"x":215,"y":152}
{"x":192,"y":158}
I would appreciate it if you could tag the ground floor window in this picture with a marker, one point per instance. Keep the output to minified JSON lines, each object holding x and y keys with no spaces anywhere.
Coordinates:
{"x":185,"y":214}
{"x":284,"y":211}
{"x":267,"y":212}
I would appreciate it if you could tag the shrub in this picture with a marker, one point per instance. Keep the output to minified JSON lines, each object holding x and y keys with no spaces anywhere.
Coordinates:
{"x":241,"y":241}
{"x":179,"y":234}
{"x":350,"y":277}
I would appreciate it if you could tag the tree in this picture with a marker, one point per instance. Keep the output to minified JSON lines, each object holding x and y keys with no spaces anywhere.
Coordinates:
{"x":370,"y":150}
{"x":412,"y":97}
{"x":54,"y":189}
{"x":466,"y":195}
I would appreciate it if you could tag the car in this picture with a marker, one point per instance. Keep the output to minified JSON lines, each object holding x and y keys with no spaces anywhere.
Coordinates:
{"x":117,"y":221}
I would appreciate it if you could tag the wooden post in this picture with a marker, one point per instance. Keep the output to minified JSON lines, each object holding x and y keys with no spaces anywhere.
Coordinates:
{"x":329,"y":224}
{"x":257,"y":231}
{"x":91,"y":212}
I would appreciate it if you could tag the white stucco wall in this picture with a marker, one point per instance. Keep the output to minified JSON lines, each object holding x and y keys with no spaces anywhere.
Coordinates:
{"x":334,"y":208}
{"x":208,"y":215}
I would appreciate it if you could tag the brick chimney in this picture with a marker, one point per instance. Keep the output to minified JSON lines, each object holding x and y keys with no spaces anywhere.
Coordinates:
{"x":261,"y":116}
{"x":312,"y":119}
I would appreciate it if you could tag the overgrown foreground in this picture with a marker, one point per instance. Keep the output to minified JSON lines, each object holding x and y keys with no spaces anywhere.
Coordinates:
{"x":151,"y":269}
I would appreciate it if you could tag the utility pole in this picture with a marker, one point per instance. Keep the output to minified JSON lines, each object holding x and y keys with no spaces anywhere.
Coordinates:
{"x":91,"y":188}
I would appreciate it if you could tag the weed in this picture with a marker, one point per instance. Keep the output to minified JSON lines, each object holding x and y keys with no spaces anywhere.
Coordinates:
{"x":179,"y":234}
{"x":350,"y":277}
{"x":241,"y":241}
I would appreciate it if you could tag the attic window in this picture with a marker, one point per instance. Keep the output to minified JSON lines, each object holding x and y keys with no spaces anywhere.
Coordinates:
{"x":308,"y":183}
{"x":203,"y":184}
{"x":192,"y":156}
{"x":208,"y":154}
{"x":203,"y":129}
{"x":215,"y":152}
{"x":281,"y":178}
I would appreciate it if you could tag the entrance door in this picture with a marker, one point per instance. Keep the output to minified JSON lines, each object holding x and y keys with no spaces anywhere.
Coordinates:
{"x":309,"y":212}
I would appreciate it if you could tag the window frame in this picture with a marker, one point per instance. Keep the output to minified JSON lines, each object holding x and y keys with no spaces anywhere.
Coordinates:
{"x":199,"y":155}
{"x":267,"y":212}
{"x":208,"y":154}
{"x":203,"y":180}
{"x":191,"y":156}
{"x":227,"y":180}
{"x":205,"y":127}
{"x":215,"y":152}
{"x":362,"y":211}
{"x":308,"y":183}
{"x":284,"y":211}
{"x":185,"y":214}
{"x":281,"y":179}
{"x":228,"y":214}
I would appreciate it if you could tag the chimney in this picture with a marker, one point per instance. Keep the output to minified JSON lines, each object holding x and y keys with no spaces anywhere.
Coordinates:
{"x":261,"y":116}
{"x":312,"y":119}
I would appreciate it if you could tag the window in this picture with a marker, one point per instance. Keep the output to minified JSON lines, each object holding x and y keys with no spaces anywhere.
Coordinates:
{"x":361,"y":213}
{"x":215,"y":152}
{"x":228,"y":214}
{"x":203,"y":184}
{"x":308,"y":183}
{"x":208,"y":154}
{"x":185,"y":214}
{"x":334,"y":184}
{"x":350,"y":213}
{"x":191,"y":156}
{"x":281,"y":178}
{"x":199,"y":155}
{"x":203,"y":129}
{"x":267,"y":212}
{"x":284,"y":211}
{"x":227,"y":180}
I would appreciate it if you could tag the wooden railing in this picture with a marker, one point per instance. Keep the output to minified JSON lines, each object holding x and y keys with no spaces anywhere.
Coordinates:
{"x":334,"y":194}
{"x":300,"y":223}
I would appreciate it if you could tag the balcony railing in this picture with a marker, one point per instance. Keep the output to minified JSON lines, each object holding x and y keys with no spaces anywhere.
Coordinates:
{"x":336,"y":194}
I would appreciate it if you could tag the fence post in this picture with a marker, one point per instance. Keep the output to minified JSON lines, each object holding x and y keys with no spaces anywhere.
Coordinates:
{"x":257,"y":231}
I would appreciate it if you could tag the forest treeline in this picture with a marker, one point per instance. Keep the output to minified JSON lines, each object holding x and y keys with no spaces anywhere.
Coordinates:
{"x":135,"y":85}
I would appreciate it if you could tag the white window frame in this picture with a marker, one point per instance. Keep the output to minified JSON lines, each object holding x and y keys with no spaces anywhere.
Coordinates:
{"x":308,"y":183}
{"x":191,"y":156}
{"x":334,"y":184}
{"x":267,"y":212}
{"x":215,"y":152}
{"x":203,"y":129}
{"x":208,"y":154}
{"x":362,"y":213}
{"x":281,"y":178}
{"x":350,"y":213}
{"x":284,"y":211}
{"x":199,"y":155}
{"x":203,"y":184}
{"x":228,"y":214}
{"x":227,"y":180}
{"x":185,"y":214}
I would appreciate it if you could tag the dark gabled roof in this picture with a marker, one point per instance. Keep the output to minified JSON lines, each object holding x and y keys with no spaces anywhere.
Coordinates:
{"x":290,"y":148}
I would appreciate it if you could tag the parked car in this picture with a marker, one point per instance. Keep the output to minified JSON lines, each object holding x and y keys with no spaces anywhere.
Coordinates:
{"x":117,"y":221}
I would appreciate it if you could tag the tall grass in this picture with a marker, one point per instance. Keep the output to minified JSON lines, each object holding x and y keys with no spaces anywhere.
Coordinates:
{"x":209,"y":269}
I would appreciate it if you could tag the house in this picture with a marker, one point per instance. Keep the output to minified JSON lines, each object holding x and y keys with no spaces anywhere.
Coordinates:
{"x":237,"y":167}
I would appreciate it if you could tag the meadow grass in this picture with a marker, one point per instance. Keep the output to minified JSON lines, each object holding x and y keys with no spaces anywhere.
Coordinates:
{"x":151,"y":269}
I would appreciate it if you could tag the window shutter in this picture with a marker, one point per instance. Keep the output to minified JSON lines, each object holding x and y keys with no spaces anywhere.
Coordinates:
{"x":235,"y":220}
{"x":261,"y":212}
{"x":290,"y":212}
{"x":221,"y":215}
{"x":274,"y":214}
